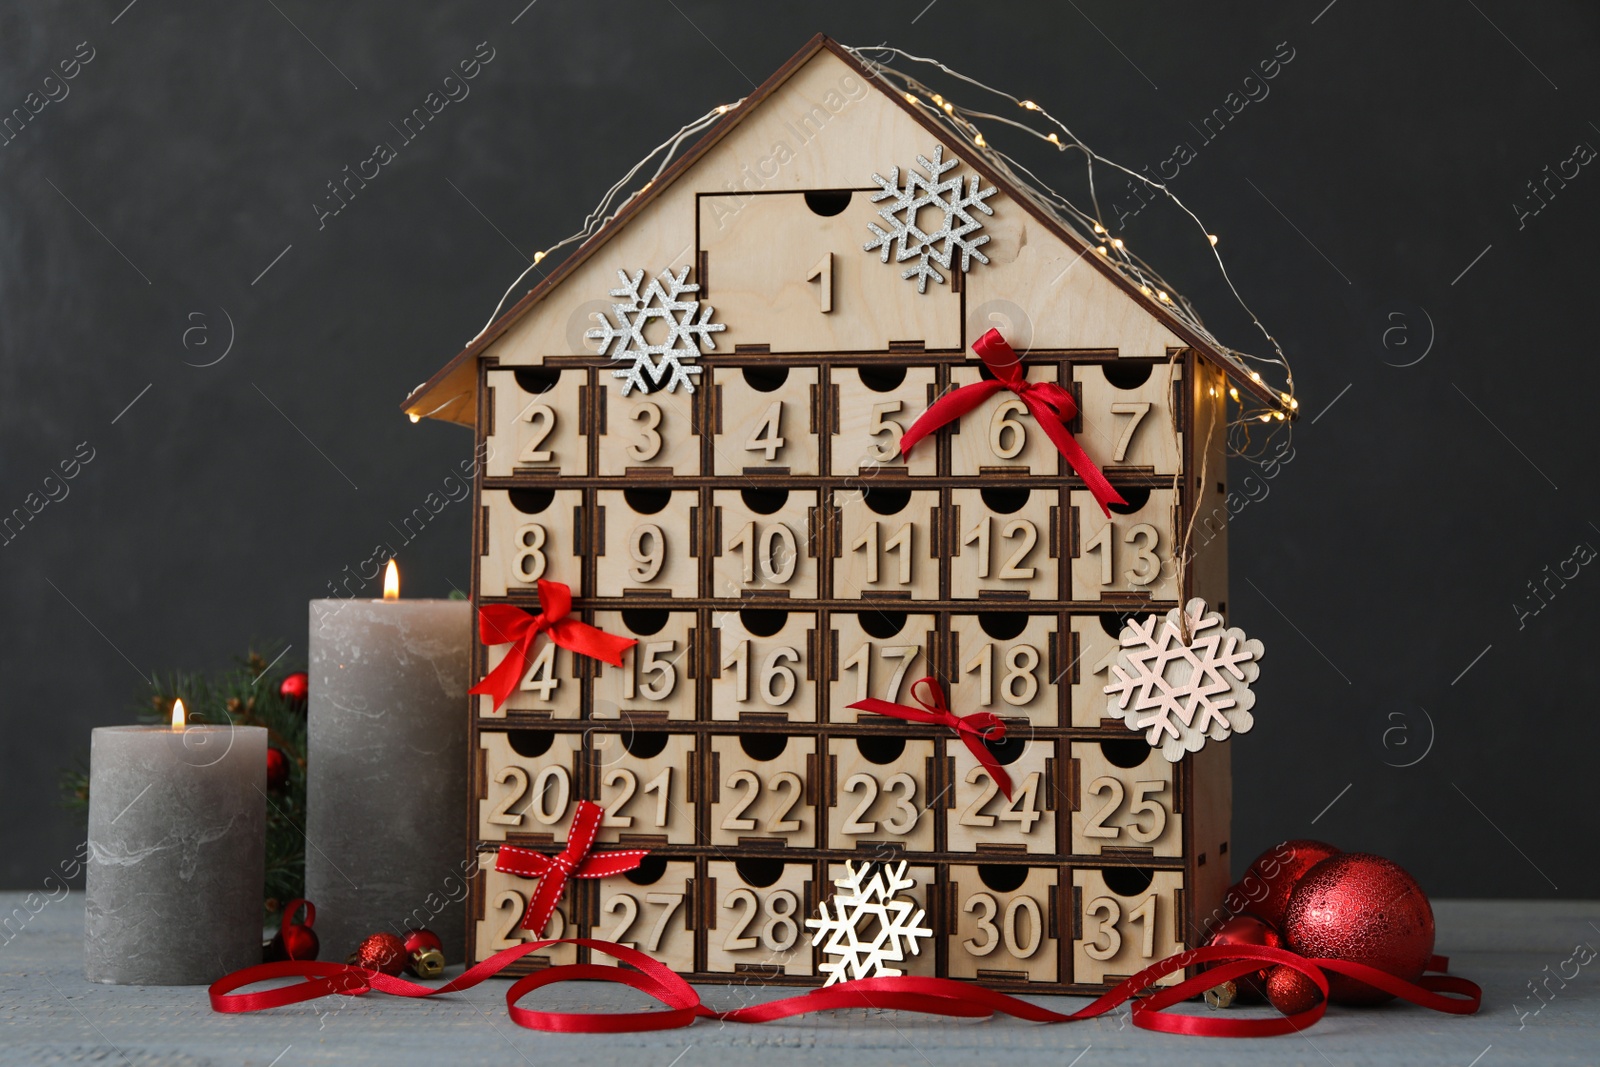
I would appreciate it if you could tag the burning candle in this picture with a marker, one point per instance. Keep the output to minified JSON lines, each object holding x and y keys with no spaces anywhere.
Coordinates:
{"x":177,"y":851}
{"x":386,"y":767}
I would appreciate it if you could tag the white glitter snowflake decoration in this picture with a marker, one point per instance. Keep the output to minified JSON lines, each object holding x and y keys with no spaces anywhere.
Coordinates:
{"x":957,"y":229}
{"x":689,"y":330}
{"x":870,"y":928}
{"x":1181,"y":693}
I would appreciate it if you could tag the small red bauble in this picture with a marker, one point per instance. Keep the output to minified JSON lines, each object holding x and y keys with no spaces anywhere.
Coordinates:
{"x":1364,"y":909}
{"x":294,"y":687}
{"x":1247,"y":930}
{"x":1265,"y":888}
{"x":424,"y":953}
{"x":277,"y":769}
{"x":381,"y":952}
{"x":294,"y":941}
{"x":1290,"y":991}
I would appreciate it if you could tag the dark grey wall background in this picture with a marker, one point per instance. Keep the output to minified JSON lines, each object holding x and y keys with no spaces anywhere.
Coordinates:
{"x":1368,"y":199}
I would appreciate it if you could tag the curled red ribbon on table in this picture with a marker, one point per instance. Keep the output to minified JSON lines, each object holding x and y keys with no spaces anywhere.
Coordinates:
{"x":973,"y":729}
{"x":500,"y":624}
{"x":1048,"y":402}
{"x":930,"y":996}
{"x":574,"y":861}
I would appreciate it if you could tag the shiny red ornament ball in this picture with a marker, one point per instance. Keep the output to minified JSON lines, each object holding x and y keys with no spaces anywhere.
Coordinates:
{"x":381,"y":952}
{"x":1364,"y":909}
{"x":1290,"y":991}
{"x":294,"y":687}
{"x":277,"y":769}
{"x":424,"y":953}
{"x":1248,"y":931}
{"x":1265,"y":888}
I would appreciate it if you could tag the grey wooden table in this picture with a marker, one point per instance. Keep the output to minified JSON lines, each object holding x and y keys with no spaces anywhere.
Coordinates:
{"x":50,"y":1015}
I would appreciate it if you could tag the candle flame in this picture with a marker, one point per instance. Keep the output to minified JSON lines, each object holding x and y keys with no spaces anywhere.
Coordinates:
{"x":391,"y":582}
{"x":179,"y":718}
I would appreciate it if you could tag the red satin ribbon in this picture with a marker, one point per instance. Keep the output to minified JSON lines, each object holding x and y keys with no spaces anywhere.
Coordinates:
{"x":500,"y":624}
{"x":574,"y":861}
{"x":930,"y":996}
{"x":973,"y":729}
{"x":1049,"y":403}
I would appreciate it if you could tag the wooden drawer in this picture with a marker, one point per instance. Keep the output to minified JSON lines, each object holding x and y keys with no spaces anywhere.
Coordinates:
{"x":1004,"y":544}
{"x":645,"y":782}
{"x":652,"y":909}
{"x":531,"y":784}
{"x":1126,"y":415}
{"x":1128,"y":556}
{"x":763,"y":791}
{"x":766,"y":419}
{"x":763,"y":665}
{"x":1005,"y":663}
{"x":876,"y":654}
{"x":1003,"y":919}
{"x":647,"y":544}
{"x":980,"y":819}
{"x":765,"y":543}
{"x":880,"y":789}
{"x":1125,"y":800}
{"x":885,"y":544}
{"x":872,"y":408}
{"x":1124,"y":919}
{"x":658,"y":676}
{"x":540,"y":424}
{"x":531,"y":534}
{"x":758,"y":909}
{"x":1000,"y":436}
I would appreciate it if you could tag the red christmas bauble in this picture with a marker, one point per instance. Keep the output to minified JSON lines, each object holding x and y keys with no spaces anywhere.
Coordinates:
{"x":381,"y":952}
{"x":295,"y":941}
{"x":1247,"y":930}
{"x":1265,"y":888}
{"x":424,"y":953}
{"x":1364,"y":909}
{"x":277,"y":769}
{"x":294,"y":687}
{"x":1290,"y":991}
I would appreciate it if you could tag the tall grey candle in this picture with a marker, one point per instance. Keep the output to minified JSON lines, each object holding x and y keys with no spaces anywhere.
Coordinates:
{"x":386,"y":770}
{"x":177,"y":853}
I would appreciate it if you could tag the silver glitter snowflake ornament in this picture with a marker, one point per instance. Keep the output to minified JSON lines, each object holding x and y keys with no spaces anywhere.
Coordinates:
{"x":670,"y":299}
{"x":1183,"y":692}
{"x":957,"y":229}
{"x":870,"y":929}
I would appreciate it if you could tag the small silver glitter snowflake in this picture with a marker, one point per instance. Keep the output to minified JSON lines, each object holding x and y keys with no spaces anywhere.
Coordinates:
{"x":954,"y":207}
{"x":870,"y":928}
{"x":689,"y":330}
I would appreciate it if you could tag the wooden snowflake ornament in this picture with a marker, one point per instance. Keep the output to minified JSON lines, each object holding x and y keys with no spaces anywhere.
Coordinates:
{"x":871,"y":928}
{"x":1181,"y":693}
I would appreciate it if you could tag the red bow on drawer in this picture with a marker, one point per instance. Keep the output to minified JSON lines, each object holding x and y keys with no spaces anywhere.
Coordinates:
{"x":499,"y":624}
{"x":973,"y":729}
{"x":574,"y":861}
{"x":1049,"y":403}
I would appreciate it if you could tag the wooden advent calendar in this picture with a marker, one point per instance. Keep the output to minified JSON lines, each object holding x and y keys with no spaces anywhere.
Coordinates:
{"x":777,"y":560}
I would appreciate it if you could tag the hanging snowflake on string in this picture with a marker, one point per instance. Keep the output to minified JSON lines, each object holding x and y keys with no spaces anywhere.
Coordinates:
{"x":870,"y":929}
{"x":950,"y":205}
{"x":688,"y":331}
{"x":1180,"y":693}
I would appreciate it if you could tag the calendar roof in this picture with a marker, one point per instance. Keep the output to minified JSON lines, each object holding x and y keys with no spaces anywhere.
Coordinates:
{"x":837,"y":123}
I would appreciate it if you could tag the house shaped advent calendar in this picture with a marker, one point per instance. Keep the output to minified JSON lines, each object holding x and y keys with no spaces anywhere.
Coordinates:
{"x":694,"y":423}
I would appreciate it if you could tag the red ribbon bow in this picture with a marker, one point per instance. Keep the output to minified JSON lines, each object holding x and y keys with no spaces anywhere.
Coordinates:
{"x":500,"y":624}
{"x":1050,"y":404}
{"x":973,"y":729}
{"x":574,"y":861}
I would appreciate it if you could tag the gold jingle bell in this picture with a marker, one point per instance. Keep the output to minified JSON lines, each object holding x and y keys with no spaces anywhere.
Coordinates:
{"x":427,"y":963}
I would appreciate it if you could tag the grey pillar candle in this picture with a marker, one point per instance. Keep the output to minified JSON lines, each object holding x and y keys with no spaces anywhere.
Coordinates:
{"x":386,"y":770}
{"x":177,"y":853}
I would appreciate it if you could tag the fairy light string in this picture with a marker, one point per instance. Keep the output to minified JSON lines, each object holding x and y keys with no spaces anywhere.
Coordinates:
{"x":1244,"y":439}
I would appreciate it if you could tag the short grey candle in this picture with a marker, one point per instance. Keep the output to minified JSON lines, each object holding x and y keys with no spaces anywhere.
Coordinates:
{"x":386,"y":770}
{"x":177,"y":853}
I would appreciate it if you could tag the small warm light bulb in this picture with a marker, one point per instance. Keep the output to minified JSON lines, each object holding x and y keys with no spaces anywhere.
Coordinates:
{"x":1116,"y":242}
{"x":722,"y":109}
{"x":1284,"y":397}
{"x":1101,"y":249}
{"x":1145,"y":289}
{"x":1030,"y":105}
{"x":1163,"y":297}
{"x":1254,"y":377}
{"x":949,"y":108}
{"x":413,"y":416}
{"x":937,"y":99}
{"x":978,"y":140}
{"x":1233,"y":392}
{"x":1212,"y":238}
{"x":1266,"y":418}
{"x":910,"y":98}
{"x":1279,"y":415}
{"x":1053,"y":139}
{"x":1294,"y":405}
{"x":537,"y":256}
{"x":391,"y":582}
{"x":179,"y":716}
{"x":1099,"y":228}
